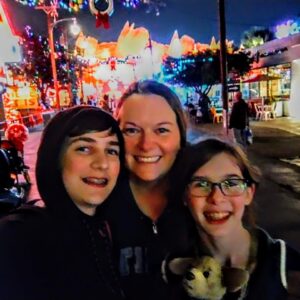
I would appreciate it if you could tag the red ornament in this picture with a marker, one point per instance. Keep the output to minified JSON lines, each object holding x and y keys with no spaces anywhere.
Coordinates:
{"x":102,"y":16}
{"x":113,"y":64}
{"x":17,"y":134}
{"x":102,"y":20}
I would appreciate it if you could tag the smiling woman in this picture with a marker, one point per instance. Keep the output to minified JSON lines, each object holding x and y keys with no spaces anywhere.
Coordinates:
{"x":143,"y":219}
{"x":68,"y":247}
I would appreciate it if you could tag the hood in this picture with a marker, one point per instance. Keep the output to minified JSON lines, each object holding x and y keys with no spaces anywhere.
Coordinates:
{"x":71,"y":122}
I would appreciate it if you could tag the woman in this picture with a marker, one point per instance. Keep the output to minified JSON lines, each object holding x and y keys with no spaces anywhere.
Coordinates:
{"x":63,"y":251}
{"x":153,"y":124}
{"x":218,"y":183}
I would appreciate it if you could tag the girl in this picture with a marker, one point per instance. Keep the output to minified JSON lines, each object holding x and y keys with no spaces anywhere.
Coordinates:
{"x":218,"y":183}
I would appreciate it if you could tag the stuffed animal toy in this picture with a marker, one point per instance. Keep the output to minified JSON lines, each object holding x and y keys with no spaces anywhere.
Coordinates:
{"x":204,"y":278}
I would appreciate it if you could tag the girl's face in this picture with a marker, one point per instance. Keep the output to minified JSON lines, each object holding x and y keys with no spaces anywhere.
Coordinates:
{"x":217,"y":214}
{"x":152,"y":137}
{"x":90,"y":168}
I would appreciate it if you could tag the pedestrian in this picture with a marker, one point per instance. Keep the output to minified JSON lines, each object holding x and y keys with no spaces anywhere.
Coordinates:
{"x":143,"y":219}
{"x":63,"y":250}
{"x":217,"y":183}
{"x":204,"y":104}
{"x":104,"y":103}
{"x":239,"y":119}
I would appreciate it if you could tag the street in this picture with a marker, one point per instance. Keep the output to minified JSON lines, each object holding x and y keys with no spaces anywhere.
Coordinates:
{"x":278,"y":196}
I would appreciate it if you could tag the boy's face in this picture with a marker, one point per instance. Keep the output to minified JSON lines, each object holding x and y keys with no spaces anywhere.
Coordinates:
{"x":90,"y":168}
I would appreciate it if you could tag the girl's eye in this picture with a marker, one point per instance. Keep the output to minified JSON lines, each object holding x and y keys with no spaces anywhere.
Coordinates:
{"x":130,"y":130}
{"x":113,"y":152}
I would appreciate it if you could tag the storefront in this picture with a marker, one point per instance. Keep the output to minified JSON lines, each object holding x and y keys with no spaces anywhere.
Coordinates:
{"x":276,"y":75}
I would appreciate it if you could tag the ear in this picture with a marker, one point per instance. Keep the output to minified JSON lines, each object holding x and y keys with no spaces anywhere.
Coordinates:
{"x":180,"y":265}
{"x":234,"y":278}
{"x":250,"y":194}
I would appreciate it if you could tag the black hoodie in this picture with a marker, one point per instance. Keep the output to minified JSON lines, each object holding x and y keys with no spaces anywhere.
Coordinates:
{"x":58,"y":252}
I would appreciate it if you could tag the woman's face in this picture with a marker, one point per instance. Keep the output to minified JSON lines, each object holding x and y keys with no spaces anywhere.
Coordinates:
{"x":90,"y":168}
{"x":219,"y":215}
{"x":152,"y":137}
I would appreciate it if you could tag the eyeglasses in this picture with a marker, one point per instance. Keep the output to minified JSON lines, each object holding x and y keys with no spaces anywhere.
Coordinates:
{"x":229,"y":187}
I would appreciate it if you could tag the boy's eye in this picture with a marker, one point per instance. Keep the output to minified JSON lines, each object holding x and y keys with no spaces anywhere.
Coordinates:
{"x":83,"y":149}
{"x":113,"y":151}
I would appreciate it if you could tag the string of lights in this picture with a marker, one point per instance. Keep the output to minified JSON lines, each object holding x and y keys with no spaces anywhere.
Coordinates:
{"x":151,"y":6}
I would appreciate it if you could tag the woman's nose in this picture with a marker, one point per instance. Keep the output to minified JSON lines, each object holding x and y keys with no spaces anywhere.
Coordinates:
{"x":146,"y":141}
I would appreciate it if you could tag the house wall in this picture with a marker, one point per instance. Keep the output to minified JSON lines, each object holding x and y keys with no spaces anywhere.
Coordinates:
{"x":294,"y":105}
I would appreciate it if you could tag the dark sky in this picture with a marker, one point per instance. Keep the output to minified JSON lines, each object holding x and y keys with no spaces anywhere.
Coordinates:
{"x":197,"y":18}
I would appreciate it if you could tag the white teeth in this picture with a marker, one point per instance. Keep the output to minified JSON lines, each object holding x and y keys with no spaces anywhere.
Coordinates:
{"x":95,"y":180}
{"x":217,"y":215}
{"x":147,"y":159}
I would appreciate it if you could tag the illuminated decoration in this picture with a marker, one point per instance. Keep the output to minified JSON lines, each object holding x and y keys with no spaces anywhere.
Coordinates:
{"x":288,"y":28}
{"x":70,"y":5}
{"x":102,"y":9}
{"x":175,"y":49}
{"x":17,"y":134}
{"x":131,"y":3}
{"x":74,"y":6}
{"x":10,"y":49}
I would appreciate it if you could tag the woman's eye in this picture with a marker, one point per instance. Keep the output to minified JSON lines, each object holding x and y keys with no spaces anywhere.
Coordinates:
{"x":163,"y":130}
{"x":130,"y":131}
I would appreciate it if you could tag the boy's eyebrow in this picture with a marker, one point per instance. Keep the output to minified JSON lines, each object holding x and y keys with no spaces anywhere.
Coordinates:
{"x":89,"y":140}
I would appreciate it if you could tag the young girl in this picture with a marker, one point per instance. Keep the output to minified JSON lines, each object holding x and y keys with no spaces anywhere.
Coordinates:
{"x":63,"y":251}
{"x":217,"y":183}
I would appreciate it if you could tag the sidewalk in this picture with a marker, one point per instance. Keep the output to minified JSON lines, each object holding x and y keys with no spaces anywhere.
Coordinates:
{"x":285,"y":123}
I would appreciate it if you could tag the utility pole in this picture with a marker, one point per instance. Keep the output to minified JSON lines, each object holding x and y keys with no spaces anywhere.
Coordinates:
{"x":52,"y":14}
{"x":223,"y":62}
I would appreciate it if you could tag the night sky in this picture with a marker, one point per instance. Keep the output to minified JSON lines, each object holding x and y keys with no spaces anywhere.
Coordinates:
{"x":197,"y":18}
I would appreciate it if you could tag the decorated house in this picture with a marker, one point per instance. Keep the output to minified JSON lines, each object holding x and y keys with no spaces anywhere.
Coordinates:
{"x":9,"y":52}
{"x":276,"y":70}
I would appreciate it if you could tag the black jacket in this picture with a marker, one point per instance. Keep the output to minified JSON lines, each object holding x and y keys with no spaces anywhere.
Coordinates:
{"x":276,"y":275}
{"x":239,"y":117}
{"x":140,"y":245}
{"x":57,"y":252}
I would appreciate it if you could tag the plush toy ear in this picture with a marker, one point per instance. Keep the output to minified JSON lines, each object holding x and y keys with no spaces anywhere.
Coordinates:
{"x":179,"y":265}
{"x":234,"y":278}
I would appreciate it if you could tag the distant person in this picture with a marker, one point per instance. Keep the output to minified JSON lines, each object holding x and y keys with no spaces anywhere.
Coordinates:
{"x":216,"y":183}
{"x":63,"y":250}
{"x":104,"y":103}
{"x":239,"y":119}
{"x":204,"y":104}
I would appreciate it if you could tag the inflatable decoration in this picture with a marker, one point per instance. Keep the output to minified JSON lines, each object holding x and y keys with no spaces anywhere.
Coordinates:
{"x":17,"y":134}
{"x":102,"y":9}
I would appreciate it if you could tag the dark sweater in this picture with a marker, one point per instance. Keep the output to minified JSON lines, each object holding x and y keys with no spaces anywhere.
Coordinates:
{"x":141,"y":245}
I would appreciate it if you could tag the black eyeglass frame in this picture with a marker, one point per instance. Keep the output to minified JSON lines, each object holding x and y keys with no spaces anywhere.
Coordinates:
{"x":220,"y":186}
